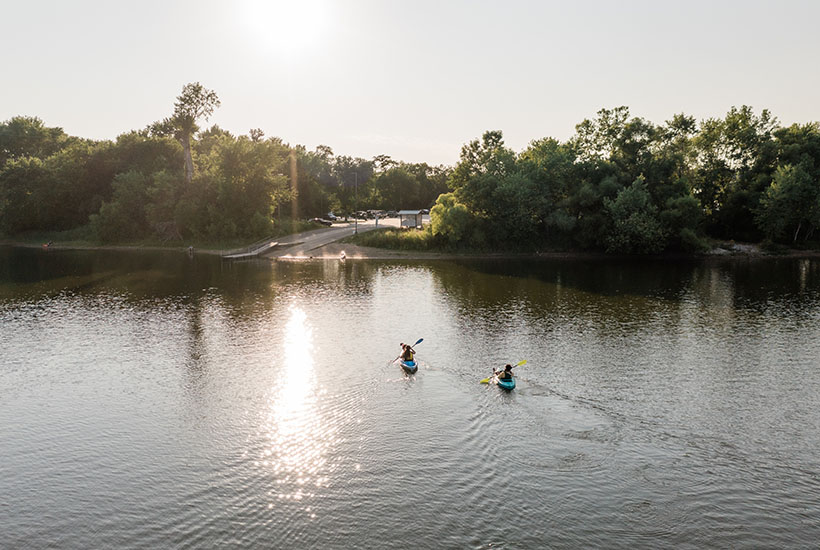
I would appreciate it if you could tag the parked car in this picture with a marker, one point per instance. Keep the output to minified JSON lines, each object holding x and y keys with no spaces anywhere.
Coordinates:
{"x":392,"y":213}
{"x":322,"y":221}
{"x":331,"y":216}
{"x":425,"y":211}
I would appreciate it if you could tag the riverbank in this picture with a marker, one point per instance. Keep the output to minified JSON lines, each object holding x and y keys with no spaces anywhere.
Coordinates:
{"x":84,"y":246}
{"x":334,"y":250}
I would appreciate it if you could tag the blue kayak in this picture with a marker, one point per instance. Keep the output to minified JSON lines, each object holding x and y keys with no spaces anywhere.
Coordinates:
{"x":409,"y":366}
{"x":506,"y":383}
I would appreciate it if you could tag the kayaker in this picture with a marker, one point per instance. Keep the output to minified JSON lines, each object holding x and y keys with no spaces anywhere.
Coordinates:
{"x":406,"y":352}
{"x":505,"y":374}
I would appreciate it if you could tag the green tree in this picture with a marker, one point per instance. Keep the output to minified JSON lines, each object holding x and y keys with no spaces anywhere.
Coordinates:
{"x":681,"y":217}
{"x":735,"y":158}
{"x":636,"y":228}
{"x":433,"y":181}
{"x":551,"y":167}
{"x":485,"y":157}
{"x":24,"y":136}
{"x":791,"y":203}
{"x":598,"y":139}
{"x":147,"y":154}
{"x":81,"y":179}
{"x":163,"y":194}
{"x":451,"y":220}
{"x":396,"y":188}
{"x":24,"y":183}
{"x":193,"y":103}
{"x":800,"y":143}
{"x":123,"y":217}
{"x":242,"y":183}
{"x":676,"y":148}
{"x":353,"y":176}
{"x":482,"y":167}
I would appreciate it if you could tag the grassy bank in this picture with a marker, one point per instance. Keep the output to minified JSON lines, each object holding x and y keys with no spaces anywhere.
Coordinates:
{"x":394,"y":238}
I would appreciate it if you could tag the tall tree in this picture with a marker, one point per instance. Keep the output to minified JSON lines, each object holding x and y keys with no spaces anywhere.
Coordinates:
{"x":597,"y":139}
{"x":193,"y":103}
{"x":482,"y":167}
{"x":736,"y":159}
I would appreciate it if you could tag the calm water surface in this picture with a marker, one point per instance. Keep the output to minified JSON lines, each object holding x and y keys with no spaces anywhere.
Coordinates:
{"x":158,"y":401}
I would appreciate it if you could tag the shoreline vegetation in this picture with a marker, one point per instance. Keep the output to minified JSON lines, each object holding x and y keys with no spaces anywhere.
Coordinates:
{"x":366,"y":247}
{"x":81,"y":240}
{"x":620,"y":185}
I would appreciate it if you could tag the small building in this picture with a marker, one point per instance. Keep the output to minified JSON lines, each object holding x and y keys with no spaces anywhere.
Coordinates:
{"x":410,"y":218}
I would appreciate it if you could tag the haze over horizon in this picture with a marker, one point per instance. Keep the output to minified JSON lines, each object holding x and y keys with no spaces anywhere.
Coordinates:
{"x":411,"y":80}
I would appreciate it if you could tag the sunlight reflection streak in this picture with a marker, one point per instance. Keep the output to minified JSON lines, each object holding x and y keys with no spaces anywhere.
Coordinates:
{"x":298,"y":437}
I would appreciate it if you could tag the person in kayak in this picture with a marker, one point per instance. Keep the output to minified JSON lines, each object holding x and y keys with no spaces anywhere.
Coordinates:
{"x":406,"y":352}
{"x":505,"y":374}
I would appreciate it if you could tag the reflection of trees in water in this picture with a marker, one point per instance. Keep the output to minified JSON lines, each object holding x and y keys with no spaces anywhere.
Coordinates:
{"x":346,"y":279}
{"x":599,"y":276}
{"x":723,"y":289}
{"x":559,"y":290}
{"x":759,"y":283}
{"x":195,"y":363}
{"x":615,"y":295}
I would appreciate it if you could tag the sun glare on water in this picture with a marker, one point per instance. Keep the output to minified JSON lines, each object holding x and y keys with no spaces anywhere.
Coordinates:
{"x":287,"y":27}
{"x":299,"y":438}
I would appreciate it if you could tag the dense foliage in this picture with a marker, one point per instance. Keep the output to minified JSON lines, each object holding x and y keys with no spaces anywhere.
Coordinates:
{"x":625,"y":185}
{"x":621,"y":184}
{"x":172,"y":181}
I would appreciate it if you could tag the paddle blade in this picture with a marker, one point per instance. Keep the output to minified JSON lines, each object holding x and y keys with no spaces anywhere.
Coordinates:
{"x":524,"y":362}
{"x":485,"y":381}
{"x":419,"y":341}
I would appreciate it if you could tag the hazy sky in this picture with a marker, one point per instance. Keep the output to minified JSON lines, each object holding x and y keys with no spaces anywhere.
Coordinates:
{"x":412,"y":79}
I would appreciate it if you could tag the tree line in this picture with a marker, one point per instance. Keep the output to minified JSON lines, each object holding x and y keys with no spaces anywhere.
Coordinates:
{"x":619,"y":184}
{"x":174,"y":181}
{"x":625,"y":185}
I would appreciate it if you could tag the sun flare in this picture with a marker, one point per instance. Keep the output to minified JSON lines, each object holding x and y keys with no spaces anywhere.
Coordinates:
{"x":287,"y":27}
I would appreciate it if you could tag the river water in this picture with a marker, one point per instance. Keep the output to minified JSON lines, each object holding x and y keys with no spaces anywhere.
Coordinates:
{"x":152,"y":400}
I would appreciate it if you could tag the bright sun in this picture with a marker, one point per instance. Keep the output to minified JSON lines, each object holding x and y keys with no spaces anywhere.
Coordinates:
{"x":287,"y":26}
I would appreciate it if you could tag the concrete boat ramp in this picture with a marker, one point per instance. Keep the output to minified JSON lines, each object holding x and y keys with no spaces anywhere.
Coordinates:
{"x":299,"y":245}
{"x":252,"y":251}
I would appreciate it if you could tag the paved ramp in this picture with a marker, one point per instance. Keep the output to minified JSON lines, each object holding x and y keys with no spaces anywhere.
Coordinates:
{"x":251,"y":252}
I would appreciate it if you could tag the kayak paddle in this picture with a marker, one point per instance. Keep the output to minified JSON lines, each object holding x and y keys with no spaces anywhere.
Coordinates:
{"x":487,"y":380}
